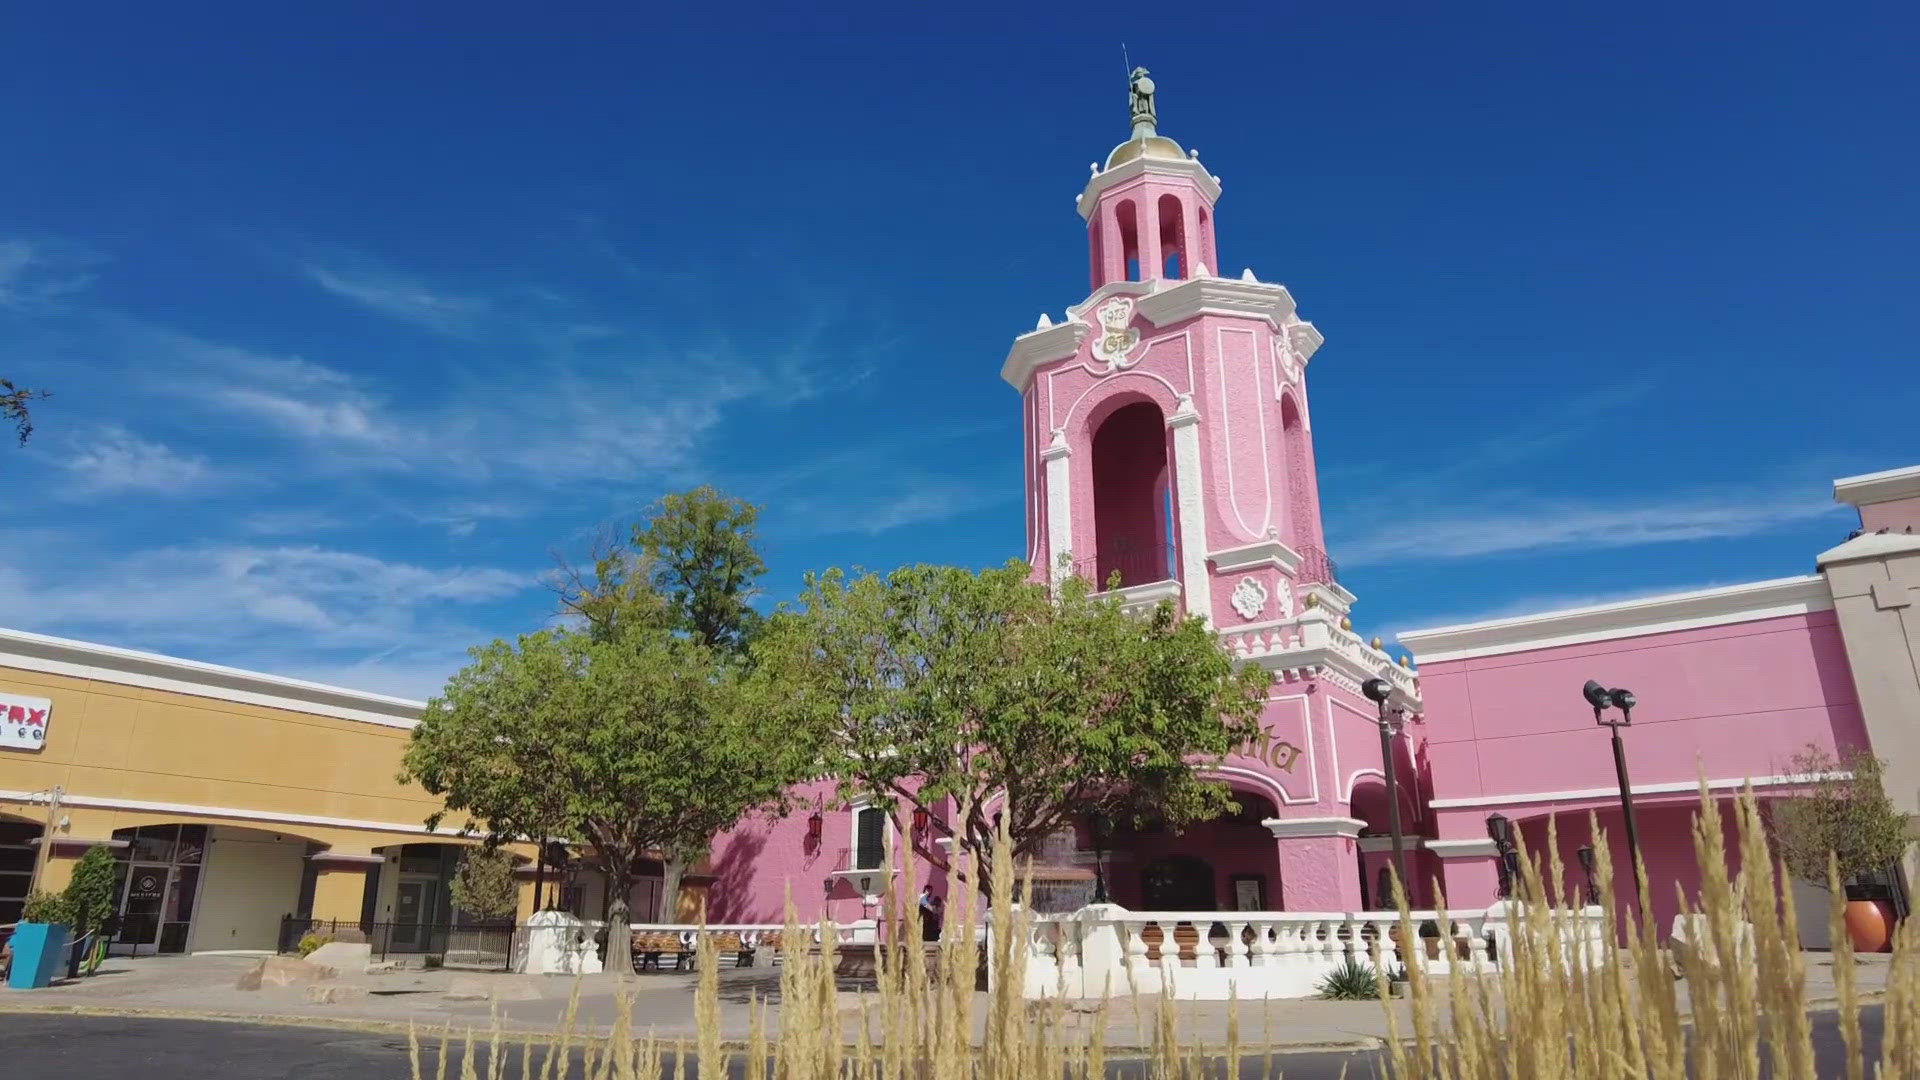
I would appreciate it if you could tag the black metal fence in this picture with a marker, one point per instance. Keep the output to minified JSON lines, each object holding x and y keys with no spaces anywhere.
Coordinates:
{"x":487,"y":946}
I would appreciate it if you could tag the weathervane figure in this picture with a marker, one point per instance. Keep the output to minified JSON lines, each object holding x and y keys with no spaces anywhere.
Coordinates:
{"x":1144,"y":115}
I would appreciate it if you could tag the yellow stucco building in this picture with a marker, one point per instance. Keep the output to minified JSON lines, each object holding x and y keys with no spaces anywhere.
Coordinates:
{"x":231,"y":799}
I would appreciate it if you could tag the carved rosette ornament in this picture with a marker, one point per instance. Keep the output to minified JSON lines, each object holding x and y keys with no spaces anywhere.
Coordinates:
{"x":1249,"y":598}
{"x":1116,"y":338}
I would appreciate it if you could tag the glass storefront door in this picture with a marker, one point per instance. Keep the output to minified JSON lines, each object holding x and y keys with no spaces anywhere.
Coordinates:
{"x":159,"y":878}
{"x":146,"y":890}
{"x":413,"y":906}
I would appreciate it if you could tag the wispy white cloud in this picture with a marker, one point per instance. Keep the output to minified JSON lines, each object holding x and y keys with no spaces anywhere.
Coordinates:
{"x":893,"y":503}
{"x":290,"y":521}
{"x":36,"y":273}
{"x":405,"y":298}
{"x":1561,"y":525}
{"x":113,"y":460}
{"x":222,"y":600}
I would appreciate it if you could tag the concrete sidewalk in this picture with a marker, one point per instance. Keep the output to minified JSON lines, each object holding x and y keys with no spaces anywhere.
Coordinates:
{"x":662,"y":1002}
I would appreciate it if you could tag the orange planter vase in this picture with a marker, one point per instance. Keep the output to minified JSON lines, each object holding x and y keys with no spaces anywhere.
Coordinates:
{"x":1869,"y":925}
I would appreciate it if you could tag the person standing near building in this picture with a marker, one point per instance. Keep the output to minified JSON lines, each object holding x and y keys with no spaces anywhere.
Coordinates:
{"x":930,"y":915}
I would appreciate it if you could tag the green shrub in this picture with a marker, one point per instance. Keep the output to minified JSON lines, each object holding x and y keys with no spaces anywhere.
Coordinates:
{"x":90,"y":895}
{"x":46,"y":907}
{"x":312,"y":941}
{"x":1351,"y":981}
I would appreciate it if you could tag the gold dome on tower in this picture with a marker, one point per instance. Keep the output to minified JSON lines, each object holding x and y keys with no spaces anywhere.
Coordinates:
{"x":1152,"y":146}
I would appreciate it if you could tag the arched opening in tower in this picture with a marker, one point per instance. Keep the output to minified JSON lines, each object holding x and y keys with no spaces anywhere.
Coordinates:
{"x":1132,"y":526}
{"x":1173,"y":239}
{"x":1129,"y":221}
{"x":1299,"y":458}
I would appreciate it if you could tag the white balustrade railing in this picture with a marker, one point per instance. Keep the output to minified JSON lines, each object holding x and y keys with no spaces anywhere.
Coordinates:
{"x":1105,"y":951}
{"x":752,"y":935}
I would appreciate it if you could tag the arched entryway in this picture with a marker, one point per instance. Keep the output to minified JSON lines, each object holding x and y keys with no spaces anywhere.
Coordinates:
{"x":1228,"y":863}
{"x":189,"y":886}
{"x":1177,"y":883}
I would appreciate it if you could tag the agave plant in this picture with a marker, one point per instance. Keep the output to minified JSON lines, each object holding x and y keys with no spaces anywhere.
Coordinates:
{"x":1351,"y":981}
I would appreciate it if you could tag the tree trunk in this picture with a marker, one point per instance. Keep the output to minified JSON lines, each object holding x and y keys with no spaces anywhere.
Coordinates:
{"x":619,"y":918}
{"x":672,"y":869}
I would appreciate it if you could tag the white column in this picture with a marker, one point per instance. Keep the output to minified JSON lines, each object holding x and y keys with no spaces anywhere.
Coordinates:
{"x":1188,"y":494}
{"x":1059,"y":507}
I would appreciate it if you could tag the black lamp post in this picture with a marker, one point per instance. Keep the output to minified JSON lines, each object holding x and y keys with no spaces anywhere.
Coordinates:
{"x":1102,"y":828}
{"x":1500,"y":831}
{"x":1378,"y":691}
{"x":1600,"y":698}
{"x":1585,"y":854}
{"x":554,"y":854}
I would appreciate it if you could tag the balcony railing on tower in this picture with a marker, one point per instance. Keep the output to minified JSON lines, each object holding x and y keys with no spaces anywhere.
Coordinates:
{"x":1316,"y":567}
{"x":1137,"y":564}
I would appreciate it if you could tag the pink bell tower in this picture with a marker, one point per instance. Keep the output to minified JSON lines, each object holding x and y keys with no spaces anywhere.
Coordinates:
{"x":1169,"y":445}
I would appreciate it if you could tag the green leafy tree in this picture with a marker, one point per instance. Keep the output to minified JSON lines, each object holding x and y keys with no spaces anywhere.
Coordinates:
{"x":936,"y":686}
{"x":701,"y":548}
{"x":692,"y":567}
{"x":483,"y":883}
{"x":647,"y":742}
{"x":90,"y":893}
{"x":1843,"y":810}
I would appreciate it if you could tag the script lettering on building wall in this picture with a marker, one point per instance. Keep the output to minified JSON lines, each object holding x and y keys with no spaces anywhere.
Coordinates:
{"x":23,"y":722}
{"x":1278,"y":753}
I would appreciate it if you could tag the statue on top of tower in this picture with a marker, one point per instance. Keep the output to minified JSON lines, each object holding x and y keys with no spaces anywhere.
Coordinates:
{"x":1141,"y":89}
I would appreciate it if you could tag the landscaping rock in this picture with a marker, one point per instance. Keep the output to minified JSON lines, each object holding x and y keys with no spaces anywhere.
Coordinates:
{"x":279,"y":971}
{"x":1692,"y":932}
{"x":343,"y":955}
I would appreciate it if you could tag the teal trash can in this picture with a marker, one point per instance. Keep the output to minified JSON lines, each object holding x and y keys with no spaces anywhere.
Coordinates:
{"x":38,"y":949}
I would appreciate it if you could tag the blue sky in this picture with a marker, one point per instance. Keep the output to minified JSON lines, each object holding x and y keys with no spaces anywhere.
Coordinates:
{"x":353,"y":318}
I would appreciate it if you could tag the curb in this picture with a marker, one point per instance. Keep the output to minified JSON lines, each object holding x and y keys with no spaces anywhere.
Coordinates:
{"x":429,"y":1034}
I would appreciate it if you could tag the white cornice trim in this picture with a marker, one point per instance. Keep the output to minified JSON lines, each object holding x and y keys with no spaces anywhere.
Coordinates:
{"x":1135,"y":597}
{"x":101,"y":802}
{"x":1312,"y":643}
{"x":1186,"y":299}
{"x":1677,"y":787}
{"x":1303,"y":827}
{"x":1875,"y":545}
{"x":1629,"y":618}
{"x":1037,"y":347}
{"x":1270,"y":552}
{"x":1463,"y":849}
{"x":127,"y":667}
{"x":1134,"y":289}
{"x":1107,"y":180}
{"x":1305,"y":338}
{"x":1878,"y":487}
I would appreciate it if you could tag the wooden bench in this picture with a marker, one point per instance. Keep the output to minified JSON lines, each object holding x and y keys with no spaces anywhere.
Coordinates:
{"x":650,"y":947}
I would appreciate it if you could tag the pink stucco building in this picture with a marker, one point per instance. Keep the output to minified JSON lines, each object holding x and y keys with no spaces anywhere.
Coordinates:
{"x":1168,"y":442}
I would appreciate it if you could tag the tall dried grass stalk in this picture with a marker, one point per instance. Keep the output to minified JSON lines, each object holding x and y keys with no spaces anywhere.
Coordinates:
{"x":1554,"y":1010}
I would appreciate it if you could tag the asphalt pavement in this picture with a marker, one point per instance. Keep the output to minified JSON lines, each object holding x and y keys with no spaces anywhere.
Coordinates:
{"x":35,"y":1046}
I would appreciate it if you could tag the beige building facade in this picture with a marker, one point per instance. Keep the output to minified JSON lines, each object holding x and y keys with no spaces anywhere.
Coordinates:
{"x":231,"y":799}
{"x":1875,"y":581}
